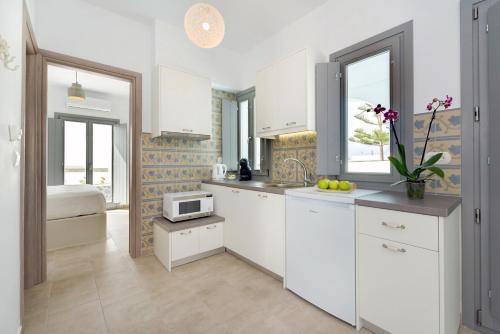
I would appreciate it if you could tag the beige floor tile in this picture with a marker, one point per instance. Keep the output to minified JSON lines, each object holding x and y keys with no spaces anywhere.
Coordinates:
{"x":133,"y":314}
{"x":60,"y":271}
{"x":85,"y":318}
{"x":36,"y":299}
{"x":116,"y":286}
{"x":72,"y":292}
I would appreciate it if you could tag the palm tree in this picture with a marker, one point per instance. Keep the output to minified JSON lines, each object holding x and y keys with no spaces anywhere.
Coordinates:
{"x":378,"y":137}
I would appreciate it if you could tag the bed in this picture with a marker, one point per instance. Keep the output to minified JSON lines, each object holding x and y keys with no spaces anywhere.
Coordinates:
{"x":76,"y":215}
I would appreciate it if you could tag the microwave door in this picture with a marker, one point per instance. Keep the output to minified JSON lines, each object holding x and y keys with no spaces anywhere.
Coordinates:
{"x":189,"y":207}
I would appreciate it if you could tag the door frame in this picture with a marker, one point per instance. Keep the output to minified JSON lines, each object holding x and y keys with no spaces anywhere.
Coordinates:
{"x":135,"y":127}
{"x":34,"y":183}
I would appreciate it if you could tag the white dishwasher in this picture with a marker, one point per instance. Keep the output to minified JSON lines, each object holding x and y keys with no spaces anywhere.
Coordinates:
{"x":321,"y":249}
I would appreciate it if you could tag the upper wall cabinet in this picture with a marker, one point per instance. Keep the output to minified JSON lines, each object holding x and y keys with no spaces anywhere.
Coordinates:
{"x":285,"y":96}
{"x":183,"y":106}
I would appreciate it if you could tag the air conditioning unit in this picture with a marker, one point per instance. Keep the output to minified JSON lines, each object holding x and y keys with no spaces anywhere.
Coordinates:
{"x":90,"y":103}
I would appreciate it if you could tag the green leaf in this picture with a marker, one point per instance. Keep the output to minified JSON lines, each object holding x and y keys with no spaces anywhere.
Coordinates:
{"x":402,"y":154}
{"x":436,"y":170}
{"x":399,"y":166}
{"x":432,"y":160}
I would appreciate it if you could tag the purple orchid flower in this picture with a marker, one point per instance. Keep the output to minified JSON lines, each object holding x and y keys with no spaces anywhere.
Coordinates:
{"x":379,"y":109}
{"x":391,"y":115}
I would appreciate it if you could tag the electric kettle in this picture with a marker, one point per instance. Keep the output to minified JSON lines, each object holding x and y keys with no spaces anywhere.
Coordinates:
{"x":219,"y":170}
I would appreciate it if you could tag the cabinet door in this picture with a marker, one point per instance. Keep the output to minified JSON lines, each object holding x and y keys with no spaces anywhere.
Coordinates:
{"x":211,"y":237}
{"x":185,"y":243}
{"x":185,"y":104}
{"x":270,"y":224}
{"x":225,"y":202}
{"x":292,"y":91}
{"x":265,"y":97}
{"x":398,"y":286}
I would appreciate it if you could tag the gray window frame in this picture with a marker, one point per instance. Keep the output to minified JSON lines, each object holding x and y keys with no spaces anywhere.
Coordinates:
{"x":249,"y":94}
{"x":400,"y":41}
{"x":89,"y":120}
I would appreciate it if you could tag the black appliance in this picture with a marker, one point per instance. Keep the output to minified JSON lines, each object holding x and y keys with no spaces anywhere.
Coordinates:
{"x":245,"y":172}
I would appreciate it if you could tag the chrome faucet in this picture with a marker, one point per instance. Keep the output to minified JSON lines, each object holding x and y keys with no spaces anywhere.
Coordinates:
{"x":307,"y":179}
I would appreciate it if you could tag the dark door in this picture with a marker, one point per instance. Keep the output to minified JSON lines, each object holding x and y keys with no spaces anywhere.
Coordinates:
{"x":493,"y":40}
{"x":487,"y":28}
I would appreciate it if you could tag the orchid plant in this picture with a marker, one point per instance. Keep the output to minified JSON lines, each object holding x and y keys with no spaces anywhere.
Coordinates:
{"x":426,"y":169}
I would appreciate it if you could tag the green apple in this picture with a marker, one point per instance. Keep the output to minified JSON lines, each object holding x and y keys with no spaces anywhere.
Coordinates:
{"x":345,"y":185}
{"x":334,"y":185}
{"x":323,"y":184}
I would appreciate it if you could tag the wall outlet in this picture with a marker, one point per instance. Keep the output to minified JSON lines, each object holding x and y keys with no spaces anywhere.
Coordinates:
{"x":445,"y":159}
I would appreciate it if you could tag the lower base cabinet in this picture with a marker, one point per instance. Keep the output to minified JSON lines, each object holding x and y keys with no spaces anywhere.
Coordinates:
{"x":254,"y":225}
{"x":408,"y":271}
{"x":175,"y":247}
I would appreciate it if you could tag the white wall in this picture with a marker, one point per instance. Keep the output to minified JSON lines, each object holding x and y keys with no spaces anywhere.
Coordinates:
{"x":172,"y":48}
{"x":341,"y":23}
{"x":10,"y":114}
{"x":57,"y":97}
{"x":82,"y":30}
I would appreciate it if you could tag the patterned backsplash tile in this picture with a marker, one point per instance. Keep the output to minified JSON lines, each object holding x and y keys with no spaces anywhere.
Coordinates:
{"x":177,"y":164}
{"x":445,"y":137}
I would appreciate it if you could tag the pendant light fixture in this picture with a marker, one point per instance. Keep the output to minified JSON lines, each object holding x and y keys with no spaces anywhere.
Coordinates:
{"x":204,"y":25}
{"x":76,"y":92}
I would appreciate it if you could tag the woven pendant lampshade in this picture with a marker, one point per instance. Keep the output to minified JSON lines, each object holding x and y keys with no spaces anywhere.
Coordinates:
{"x":204,"y":25}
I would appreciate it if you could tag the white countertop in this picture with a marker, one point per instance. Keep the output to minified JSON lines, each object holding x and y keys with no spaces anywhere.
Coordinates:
{"x":339,"y":197}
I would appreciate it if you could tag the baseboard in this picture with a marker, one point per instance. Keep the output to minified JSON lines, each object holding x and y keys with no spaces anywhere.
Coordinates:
{"x":255,"y":265}
{"x":197,"y":257}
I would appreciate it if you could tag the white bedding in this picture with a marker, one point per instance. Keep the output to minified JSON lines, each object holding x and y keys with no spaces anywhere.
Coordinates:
{"x":74,"y":200}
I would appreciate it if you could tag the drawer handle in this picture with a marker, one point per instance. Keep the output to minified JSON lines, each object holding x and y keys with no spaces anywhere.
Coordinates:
{"x":291,"y":123}
{"x":211,"y":227}
{"x":394,"y":249}
{"x":262,"y":196}
{"x":313,"y":211}
{"x":401,"y":227}
{"x":266,"y":128}
{"x":186,"y":233}
{"x":187,"y":130}
{"x":235,"y":191}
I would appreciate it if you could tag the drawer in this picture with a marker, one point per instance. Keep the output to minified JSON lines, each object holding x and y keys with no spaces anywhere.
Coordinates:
{"x":408,"y":228}
{"x":185,"y":243}
{"x":211,"y":237}
{"x":398,"y":286}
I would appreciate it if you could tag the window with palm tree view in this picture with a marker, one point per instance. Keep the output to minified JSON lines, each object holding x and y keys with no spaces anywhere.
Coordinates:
{"x":368,"y":83}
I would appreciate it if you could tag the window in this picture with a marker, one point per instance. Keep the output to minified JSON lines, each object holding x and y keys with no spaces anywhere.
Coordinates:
{"x":374,"y":72}
{"x":250,"y":147}
{"x":88,"y":152}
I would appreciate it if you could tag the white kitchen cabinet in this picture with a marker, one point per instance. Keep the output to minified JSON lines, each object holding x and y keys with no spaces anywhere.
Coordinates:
{"x":285,"y":96}
{"x":183,"y":104}
{"x":408,"y":271}
{"x":254,"y":224}
{"x":180,"y":243}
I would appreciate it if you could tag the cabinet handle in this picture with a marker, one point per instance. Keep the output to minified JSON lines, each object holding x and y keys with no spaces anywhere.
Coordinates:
{"x":187,"y":130}
{"x":186,"y":233}
{"x":235,"y":191}
{"x":211,"y":227}
{"x":262,"y":196}
{"x":291,"y":123}
{"x":266,"y":128}
{"x":394,"y":249}
{"x":401,"y":227}
{"x":313,"y":211}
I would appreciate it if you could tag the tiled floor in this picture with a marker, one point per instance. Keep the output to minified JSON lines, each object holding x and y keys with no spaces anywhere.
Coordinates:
{"x":99,"y":289}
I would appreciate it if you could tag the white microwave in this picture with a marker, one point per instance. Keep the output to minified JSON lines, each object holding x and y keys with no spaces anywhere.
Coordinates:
{"x":187,"y":205}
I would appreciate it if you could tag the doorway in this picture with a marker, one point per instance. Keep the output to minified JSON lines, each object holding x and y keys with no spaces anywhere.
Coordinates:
{"x":85,"y":145}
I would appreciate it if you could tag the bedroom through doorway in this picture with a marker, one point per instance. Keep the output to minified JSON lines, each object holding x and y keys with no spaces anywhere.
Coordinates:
{"x":88,"y":150}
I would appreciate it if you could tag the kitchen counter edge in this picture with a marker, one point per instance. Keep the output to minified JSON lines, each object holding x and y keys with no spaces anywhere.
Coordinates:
{"x":431,"y":205}
{"x":247,"y":185}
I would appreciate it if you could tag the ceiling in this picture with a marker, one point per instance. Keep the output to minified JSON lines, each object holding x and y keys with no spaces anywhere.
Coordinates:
{"x":248,"y":22}
{"x":64,"y":77}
